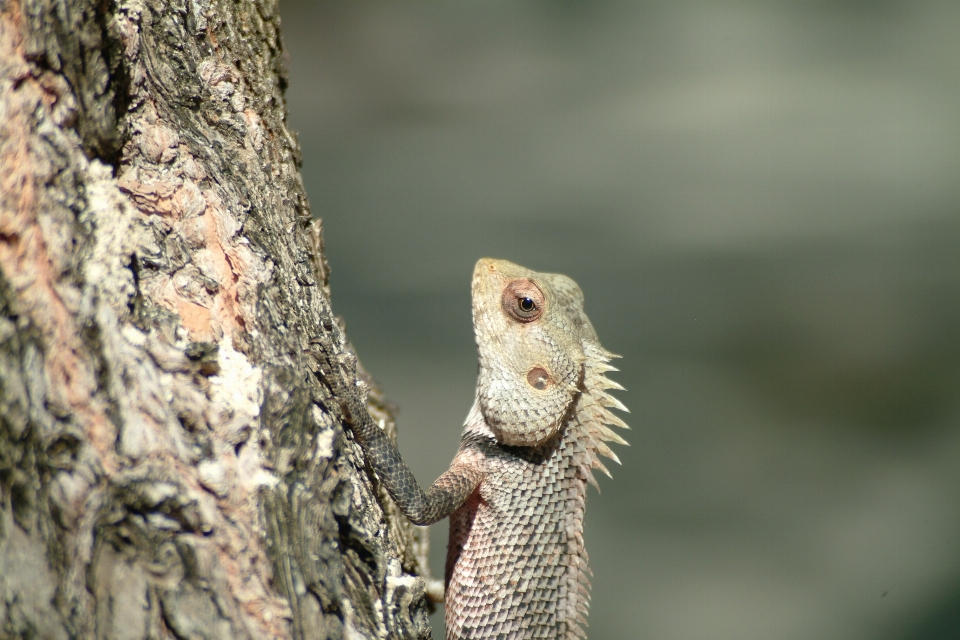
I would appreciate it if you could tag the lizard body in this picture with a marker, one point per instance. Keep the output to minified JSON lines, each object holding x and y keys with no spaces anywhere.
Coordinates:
{"x":516,"y":489}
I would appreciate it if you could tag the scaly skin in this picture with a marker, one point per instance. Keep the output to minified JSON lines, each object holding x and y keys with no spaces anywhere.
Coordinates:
{"x":516,"y":490}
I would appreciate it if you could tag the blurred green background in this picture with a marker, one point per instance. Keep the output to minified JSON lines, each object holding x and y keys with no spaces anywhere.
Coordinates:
{"x":761,"y":202}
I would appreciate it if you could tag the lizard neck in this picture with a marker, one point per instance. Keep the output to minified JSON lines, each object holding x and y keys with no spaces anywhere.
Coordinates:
{"x":589,"y":419}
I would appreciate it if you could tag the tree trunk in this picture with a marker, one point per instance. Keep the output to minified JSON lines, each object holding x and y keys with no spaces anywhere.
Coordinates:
{"x":171,"y":464}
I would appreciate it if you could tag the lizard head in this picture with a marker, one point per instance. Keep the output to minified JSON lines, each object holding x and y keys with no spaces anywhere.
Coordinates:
{"x":530,"y":331}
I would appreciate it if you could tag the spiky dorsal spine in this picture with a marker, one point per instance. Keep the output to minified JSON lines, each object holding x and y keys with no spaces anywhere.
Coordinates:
{"x":591,"y":430}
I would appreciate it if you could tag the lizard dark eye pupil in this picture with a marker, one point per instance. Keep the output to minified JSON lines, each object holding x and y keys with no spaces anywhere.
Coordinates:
{"x":526,"y":304}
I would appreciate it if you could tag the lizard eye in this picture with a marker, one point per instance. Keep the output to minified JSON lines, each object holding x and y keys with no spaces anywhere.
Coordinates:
{"x":523,"y":300}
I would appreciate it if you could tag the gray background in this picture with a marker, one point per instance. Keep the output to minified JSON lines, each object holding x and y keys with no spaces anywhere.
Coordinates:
{"x":761,"y":202}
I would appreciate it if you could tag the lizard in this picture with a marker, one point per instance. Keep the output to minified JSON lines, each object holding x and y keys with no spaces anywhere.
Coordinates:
{"x":516,"y":489}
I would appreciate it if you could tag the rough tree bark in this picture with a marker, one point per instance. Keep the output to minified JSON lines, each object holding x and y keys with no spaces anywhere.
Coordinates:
{"x":171,"y":463}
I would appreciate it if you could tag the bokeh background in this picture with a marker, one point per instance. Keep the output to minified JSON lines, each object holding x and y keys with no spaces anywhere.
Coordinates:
{"x":761,"y":202}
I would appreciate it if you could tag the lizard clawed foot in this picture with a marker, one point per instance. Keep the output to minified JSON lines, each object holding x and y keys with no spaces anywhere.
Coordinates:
{"x":331,"y":364}
{"x":339,"y":372}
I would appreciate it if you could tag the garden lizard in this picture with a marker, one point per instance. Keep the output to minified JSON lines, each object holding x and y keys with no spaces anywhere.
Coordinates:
{"x":515,"y":491}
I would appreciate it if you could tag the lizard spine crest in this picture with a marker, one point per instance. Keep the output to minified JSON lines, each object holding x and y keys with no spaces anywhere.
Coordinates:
{"x":591,"y":424}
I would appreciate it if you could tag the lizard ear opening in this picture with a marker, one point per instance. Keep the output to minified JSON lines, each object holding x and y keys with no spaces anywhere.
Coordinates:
{"x":538,"y":378}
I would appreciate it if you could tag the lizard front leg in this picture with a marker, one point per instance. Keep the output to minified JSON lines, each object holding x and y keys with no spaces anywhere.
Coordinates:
{"x":446,"y":494}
